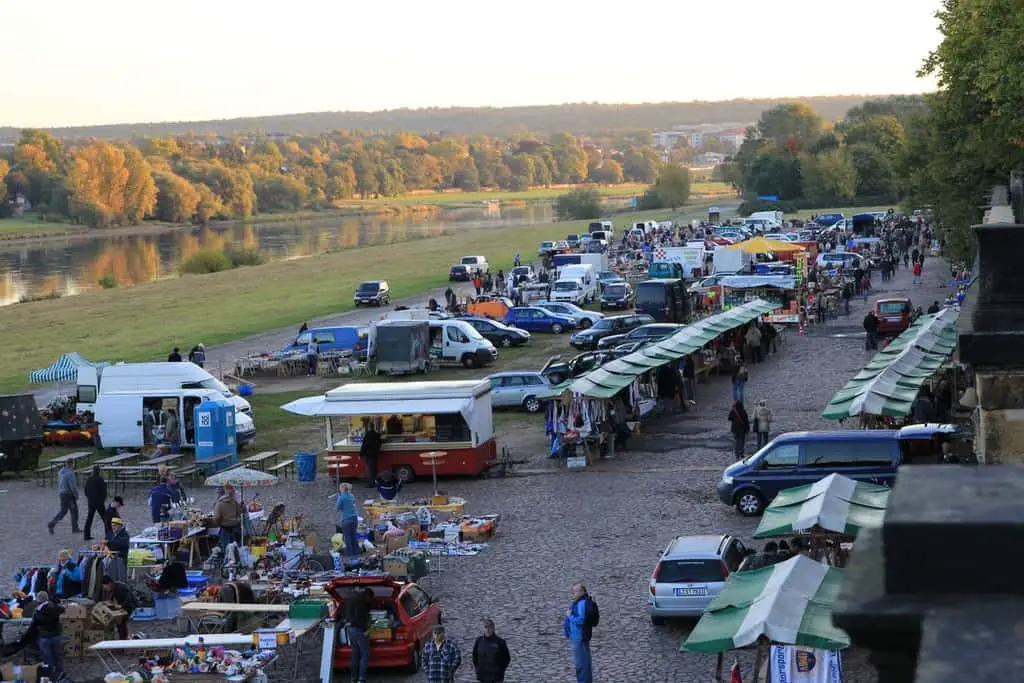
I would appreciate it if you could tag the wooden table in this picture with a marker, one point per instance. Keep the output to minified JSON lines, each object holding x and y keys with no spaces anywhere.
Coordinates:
{"x":116,"y":459}
{"x":163,"y":459}
{"x":260,"y":458}
{"x":70,"y":457}
{"x":121,"y":474}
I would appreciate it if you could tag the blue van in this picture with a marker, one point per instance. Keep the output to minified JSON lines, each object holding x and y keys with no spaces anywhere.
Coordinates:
{"x":352,"y":339}
{"x":800,"y":458}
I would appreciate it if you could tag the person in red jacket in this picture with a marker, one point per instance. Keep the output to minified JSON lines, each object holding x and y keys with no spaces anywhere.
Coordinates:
{"x":918,"y":268}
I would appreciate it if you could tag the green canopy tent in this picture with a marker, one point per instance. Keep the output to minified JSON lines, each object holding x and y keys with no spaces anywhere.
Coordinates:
{"x":789,"y":603}
{"x":835,"y":504}
{"x":890,"y":382}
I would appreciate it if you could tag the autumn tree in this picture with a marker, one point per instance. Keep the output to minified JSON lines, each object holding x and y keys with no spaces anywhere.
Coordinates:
{"x":610,"y":172}
{"x":177,"y":199}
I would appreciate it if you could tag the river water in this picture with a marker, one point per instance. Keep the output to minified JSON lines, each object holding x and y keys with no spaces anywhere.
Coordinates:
{"x":62,"y":268}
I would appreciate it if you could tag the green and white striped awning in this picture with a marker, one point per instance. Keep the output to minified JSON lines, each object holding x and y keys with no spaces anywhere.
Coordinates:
{"x":890,"y":382}
{"x":789,"y":603}
{"x":836,"y":503}
{"x":611,"y":378}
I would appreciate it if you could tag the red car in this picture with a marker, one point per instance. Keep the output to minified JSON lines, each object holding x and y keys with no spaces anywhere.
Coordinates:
{"x":894,"y":315}
{"x":412,"y":613}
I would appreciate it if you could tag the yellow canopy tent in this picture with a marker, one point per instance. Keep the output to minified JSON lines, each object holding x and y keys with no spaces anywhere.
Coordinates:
{"x":760,"y":245}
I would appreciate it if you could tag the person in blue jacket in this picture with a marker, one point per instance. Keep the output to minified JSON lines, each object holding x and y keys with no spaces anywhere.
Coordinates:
{"x":160,"y":497}
{"x":69,"y":576}
{"x":348,"y":518}
{"x":579,"y":624}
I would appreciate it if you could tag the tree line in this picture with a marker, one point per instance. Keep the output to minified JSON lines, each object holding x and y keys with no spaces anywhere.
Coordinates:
{"x":179,"y":179}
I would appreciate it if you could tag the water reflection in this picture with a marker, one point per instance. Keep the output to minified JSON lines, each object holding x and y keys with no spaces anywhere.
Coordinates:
{"x":70,"y":267}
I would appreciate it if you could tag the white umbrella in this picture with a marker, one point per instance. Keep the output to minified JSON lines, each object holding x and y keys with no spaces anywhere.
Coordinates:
{"x":242,"y":478}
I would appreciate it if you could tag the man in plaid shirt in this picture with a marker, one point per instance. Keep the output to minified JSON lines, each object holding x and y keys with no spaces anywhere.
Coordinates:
{"x":441,"y":658}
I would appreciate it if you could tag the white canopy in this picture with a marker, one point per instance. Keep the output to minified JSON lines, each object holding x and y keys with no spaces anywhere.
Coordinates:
{"x":323,"y":406}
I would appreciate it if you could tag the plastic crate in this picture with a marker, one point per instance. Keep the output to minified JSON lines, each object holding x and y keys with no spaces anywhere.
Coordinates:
{"x":307,"y":609}
{"x":167,"y":607}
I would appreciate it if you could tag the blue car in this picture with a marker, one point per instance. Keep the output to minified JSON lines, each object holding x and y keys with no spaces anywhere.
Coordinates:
{"x":535,"y":319}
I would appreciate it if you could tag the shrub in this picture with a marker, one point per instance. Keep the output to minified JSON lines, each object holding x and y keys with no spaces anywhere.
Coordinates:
{"x":249,"y":256}
{"x":578,"y":205}
{"x":108,"y":281}
{"x":206,"y":261}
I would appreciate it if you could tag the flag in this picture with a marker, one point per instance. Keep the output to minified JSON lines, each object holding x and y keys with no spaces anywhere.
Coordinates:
{"x":734,"y":672}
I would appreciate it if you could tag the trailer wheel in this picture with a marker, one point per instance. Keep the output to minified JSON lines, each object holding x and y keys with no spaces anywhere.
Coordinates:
{"x":405,"y":473}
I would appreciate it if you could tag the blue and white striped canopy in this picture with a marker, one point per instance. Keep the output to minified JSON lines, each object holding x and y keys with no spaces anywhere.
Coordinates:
{"x":64,"y":370}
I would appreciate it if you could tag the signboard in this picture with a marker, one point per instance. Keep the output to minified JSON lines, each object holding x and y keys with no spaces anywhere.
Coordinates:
{"x":783,"y":318}
{"x":791,"y":664}
{"x":800,"y":271}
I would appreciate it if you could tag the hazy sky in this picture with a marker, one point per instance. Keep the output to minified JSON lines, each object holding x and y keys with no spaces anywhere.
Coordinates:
{"x":151,"y":60}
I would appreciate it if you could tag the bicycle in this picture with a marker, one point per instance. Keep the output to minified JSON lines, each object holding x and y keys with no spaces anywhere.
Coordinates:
{"x":302,"y":563}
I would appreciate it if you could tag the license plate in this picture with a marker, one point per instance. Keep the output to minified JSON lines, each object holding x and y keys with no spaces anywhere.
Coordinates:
{"x":691,"y":592}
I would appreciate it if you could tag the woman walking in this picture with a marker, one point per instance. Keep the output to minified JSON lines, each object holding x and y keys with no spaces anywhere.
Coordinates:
{"x":739,"y":382}
{"x":348,"y":519}
{"x":762,"y":422}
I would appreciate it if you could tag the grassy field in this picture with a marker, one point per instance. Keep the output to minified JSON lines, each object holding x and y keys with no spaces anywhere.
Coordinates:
{"x":18,"y":228}
{"x":845,"y":210}
{"x":142,"y":322}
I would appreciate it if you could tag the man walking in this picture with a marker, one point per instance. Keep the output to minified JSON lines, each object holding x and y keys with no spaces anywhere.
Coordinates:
{"x":490,"y":656}
{"x":369,"y":451}
{"x":441,"y":658}
{"x":357,"y":614}
{"x":871,"y":330}
{"x":67,"y":489}
{"x":96,"y":497}
{"x":579,"y":625}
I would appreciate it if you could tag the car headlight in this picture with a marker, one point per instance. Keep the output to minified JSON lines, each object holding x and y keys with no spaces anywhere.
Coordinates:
{"x":727,"y":479}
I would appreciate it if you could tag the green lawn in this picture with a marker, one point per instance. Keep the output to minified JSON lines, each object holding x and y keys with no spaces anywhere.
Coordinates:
{"x":18,"y":228}
{"x":141,"y":322}
{"x":845,"y":210}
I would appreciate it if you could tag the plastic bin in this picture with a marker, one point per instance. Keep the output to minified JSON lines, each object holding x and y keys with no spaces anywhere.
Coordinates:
{"x":245,"y":390}
{"x":307,"y":609}
{"x":168,"y":607}
{"x":306,"y":463}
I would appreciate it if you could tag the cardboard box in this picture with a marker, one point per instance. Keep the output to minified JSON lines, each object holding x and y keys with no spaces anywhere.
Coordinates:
{"x":393,"y":543}
{"x":477,"y":534}
{"x":72,"y":627}
{"x":91,"y":636}
{"x":104,"y":613}
{"x":29,"y":672}
{"x":396,"y":566}
{"x":74,"y":646}
{"x":74,"y":610}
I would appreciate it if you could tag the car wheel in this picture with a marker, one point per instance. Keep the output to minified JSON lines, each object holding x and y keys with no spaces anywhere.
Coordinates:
{"x":405,"y":473}
{"x":469,"y":361}
{"x":556,"y":328}
{"x":585,"y":323}
{"x":416,"y":662}
{"x":532,"y":404}
{"x":505,"y":342}
{"x":657,"y":621}
{"x":356,"y":303}
{"x":749,"y":503}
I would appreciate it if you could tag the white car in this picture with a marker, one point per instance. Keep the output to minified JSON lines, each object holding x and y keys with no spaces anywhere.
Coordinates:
{"x":583,"y":318}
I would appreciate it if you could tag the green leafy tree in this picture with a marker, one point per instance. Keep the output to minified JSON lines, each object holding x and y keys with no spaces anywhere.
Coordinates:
{"x":673,"y":186}
{"x":875,"y":176}
{"x":609,"y":172}
{"x":580,"y":204}
{"x":791,"y":127}
{"x":829,"y":178}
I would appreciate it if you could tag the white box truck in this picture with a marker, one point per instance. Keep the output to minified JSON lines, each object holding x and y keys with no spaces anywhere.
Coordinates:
{"x":731,"y":261}
{"x":576,"y":284}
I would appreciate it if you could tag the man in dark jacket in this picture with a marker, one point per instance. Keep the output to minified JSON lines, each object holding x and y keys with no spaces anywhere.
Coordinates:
{"x":113,"y":510}
{"x":120,"y":594}
{"x":369,"y":451}
{"x":490,"y":656}
{"x":46,"y":625}
{"x":871,"y":329}
{"x":96,"y":497}
{"x":118,"y":539}
{"x":357,"y":614}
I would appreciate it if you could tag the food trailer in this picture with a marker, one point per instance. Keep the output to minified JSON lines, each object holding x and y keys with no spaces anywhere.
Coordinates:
{"x":414,"y":418}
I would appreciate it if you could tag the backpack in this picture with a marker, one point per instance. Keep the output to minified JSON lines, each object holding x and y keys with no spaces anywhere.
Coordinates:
{"x":592,"y":617}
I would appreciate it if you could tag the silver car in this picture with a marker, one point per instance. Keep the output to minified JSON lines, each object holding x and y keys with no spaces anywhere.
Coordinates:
{"x":518,"y":390}
{"x":690,"y":572}
{"x":583,"y":317}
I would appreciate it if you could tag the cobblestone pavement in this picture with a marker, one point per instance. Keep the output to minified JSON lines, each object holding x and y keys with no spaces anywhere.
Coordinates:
{"x":605,"y":526}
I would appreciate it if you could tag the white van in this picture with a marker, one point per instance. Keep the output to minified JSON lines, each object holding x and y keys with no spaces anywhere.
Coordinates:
{"x":460,"y":344}
{"x":475,"y":263}
{"x":576,"y":284}
{"x":120,"y":414}
{"x":648,"y":227}
{"x":148,"y":377}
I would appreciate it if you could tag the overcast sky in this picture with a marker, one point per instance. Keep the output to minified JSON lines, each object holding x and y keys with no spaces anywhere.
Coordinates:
{"x":74,"y":63}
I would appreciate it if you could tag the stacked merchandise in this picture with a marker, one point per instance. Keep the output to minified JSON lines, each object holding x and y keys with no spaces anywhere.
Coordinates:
{"x":381,"y":627}
{"x":477,"y":529}
{"x":200,"y":664}
{"x":406,"y":564}
{"x":72,"y":624}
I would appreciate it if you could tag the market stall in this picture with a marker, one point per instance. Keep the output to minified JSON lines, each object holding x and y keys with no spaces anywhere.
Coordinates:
{"x":412,"y":418}
{"x":891,"y":381}
{"x":831,"y":511}
{"x":788,"y":604}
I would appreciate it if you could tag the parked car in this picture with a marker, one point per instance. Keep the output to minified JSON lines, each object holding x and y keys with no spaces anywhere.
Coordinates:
{"x":648,"y":333}
{"x":614,"y":325}
{"x":546,"y":248}
{"x":525,"y":271}
{"x":607,"y":277}
{"x":518,"y":389}
{"x":573,"y":239}
{"x":585,"y":239}
{"x":705,"y":285}
{"x":690,"y":572}
{"x":894,"y":315}
{"x":618,"y":295}
{"x":558,"y":370}
{"x":498,"y":333}
{"x":800,"y":458}
{"x":412,"y":613}
{"x":459,"y":273}
{"x":375,"y":292}
{"x":583,"y":317}
{"x":536,"y":319}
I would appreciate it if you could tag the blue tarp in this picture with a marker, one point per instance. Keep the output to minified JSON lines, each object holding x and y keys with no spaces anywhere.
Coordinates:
{"x":65,"y":369}
{"x":753,"y":281}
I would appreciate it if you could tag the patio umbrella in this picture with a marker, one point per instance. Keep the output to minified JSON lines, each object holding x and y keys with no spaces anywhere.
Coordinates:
{"x":241,"y":478}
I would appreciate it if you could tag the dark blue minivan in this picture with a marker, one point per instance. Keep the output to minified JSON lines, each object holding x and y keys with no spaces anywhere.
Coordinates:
{"x":800,"y":458}
{"x":346,"y":338}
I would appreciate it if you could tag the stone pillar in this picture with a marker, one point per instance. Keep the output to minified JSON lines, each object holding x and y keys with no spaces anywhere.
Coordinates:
{"x":991,"y":336}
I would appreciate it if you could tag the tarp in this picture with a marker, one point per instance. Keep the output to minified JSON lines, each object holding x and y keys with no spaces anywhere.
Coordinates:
{"x":790,"y":603}
{"x":760,"y":245}
{"x":752,"y":281}
{"x":836,"y":503}
{"x":609,"y":379}
{"x":65,"y":369}
{"x":891,"y":380}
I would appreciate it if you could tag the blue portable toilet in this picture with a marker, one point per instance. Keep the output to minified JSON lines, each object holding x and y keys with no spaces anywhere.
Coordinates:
{"x":215,"y":434}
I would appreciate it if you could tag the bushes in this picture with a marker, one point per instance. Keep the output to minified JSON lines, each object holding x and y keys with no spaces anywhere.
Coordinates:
{"x":108,"y":281}
{"x":213,"y":261}
{"x":579,"y":205}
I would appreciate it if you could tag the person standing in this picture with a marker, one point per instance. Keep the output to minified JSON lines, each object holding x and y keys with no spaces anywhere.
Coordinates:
{"x":46,"y":623}
{"x":918,"y":269}
{"x":67,"y":490}
{"x":159,"y":500}
{"x":740,"y":427}
{"x":312,"y":355}
{"x":369,"y":451}
{"x":579,"y":625}
{"x":357,"y":616}
{"x":490,"y":656}
{"x":739,"y":381}
{"x":348,"y":519}
{"x":96,"y":498}
{"x":441,"y":658}
{"x":198,"y":355}
{"x":174,"y":356}
{"x":227,"y":515}
{"x":178,"y":495}
{"x":871,"y":331}
{"x":118,"y":540}
{"x":753,"y":339}
{"x":762,"y":422}
{"x":113,"y":511}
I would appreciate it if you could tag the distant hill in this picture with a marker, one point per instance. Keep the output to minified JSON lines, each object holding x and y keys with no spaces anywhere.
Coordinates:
{"x":580,"y":118}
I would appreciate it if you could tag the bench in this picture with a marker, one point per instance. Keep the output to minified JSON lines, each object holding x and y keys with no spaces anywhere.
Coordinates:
{"x":45,"y":474}
{"x":259,"y":460}
{"x":190,"y":473}
{"x":287,"y":467}
{"x":210,"y":466}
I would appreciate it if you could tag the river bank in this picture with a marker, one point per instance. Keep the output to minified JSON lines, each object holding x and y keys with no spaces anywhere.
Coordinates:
{"x":145,"y":321}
